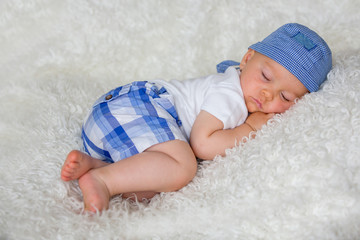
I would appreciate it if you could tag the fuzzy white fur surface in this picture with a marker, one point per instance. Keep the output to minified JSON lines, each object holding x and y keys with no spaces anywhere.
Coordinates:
{"x":298,"y":179}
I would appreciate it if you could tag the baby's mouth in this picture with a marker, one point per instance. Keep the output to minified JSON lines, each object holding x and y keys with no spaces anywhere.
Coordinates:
{"x":257,"y":102}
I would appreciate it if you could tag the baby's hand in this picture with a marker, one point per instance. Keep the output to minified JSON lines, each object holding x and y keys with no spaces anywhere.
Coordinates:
{"x":257,"y":119}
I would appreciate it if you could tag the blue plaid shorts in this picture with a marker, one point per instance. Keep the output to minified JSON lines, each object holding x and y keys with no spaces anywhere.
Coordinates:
{"x":128,"y":120}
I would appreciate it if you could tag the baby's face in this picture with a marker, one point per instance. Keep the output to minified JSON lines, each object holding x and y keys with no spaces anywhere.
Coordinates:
{"x":267,"y":86}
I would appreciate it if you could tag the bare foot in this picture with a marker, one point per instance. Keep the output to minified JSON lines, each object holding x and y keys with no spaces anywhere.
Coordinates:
{"x":77,"y":164}
{"x":95,"y":192}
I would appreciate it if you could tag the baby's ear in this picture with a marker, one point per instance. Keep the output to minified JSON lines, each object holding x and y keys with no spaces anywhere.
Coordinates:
{"x":248,"y":55}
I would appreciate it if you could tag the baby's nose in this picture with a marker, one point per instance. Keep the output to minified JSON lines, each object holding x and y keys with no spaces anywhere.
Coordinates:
{"x":267,"y":94}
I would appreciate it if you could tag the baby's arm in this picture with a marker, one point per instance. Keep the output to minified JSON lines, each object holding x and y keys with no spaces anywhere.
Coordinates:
{"x":208,"y":138}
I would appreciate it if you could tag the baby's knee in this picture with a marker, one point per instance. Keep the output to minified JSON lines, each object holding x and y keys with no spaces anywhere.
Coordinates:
{"x":185,"y":174}
{"x":192,"y":169}
{"x":184,"y":159}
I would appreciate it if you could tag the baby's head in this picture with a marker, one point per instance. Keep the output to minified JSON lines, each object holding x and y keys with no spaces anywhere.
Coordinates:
{"x":290,"y":62}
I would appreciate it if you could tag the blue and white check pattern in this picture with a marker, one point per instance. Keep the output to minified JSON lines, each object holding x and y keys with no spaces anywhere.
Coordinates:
{"x":301,"y":51}
{"x":221,"y":67}
{"x":128,"y":120}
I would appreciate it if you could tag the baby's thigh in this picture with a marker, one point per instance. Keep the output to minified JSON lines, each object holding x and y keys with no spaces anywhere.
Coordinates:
{"x":181,"y":152}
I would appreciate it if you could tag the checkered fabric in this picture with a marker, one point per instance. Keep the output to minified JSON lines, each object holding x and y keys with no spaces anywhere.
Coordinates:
{"x":221,"y":67}
{"x":301,"y":51}
{"x":130,"y":119}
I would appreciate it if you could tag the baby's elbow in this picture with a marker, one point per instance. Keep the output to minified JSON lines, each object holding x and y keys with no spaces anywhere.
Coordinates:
{"x":202,"y":151}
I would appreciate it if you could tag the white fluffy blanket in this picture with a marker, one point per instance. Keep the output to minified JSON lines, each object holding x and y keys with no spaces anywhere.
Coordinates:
{"x":298,"y":179}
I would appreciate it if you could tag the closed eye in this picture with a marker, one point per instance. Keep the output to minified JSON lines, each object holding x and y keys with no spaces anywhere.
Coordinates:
{"x":285,"y":98}
{"x":265,"y":77}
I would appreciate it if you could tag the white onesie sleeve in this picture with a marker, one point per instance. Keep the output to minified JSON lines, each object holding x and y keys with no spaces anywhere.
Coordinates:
{"x":225,"y":101}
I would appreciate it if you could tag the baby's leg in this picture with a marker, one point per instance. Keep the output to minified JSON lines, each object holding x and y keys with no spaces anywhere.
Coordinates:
{"x":163,"y":167}
{"x":77,"y":164}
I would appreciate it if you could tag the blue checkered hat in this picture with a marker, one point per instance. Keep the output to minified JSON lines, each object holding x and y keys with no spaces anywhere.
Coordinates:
{"x":301,"y":51}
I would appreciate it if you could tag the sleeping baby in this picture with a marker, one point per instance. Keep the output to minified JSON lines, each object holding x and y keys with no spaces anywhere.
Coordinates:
{"x":144,"y":137}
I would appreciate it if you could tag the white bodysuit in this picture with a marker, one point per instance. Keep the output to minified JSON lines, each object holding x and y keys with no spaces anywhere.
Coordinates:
{"x":218,"y":94}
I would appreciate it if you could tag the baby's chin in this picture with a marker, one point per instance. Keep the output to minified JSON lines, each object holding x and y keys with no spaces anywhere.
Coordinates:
{"x":252,"y":108}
